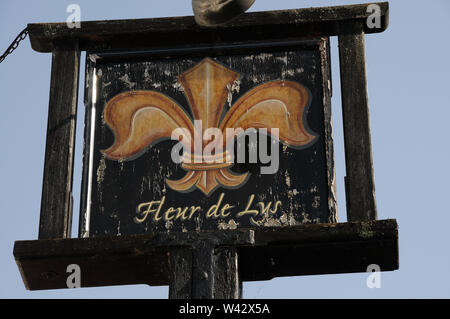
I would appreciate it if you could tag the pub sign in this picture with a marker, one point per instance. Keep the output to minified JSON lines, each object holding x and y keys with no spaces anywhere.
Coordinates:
{"x":208,"y":138}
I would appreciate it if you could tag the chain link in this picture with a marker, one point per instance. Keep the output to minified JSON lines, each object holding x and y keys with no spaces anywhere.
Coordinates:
{"x":22,"y":35}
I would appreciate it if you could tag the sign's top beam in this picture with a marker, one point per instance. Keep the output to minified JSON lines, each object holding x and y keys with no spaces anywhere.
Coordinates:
{"x":162,"y":32}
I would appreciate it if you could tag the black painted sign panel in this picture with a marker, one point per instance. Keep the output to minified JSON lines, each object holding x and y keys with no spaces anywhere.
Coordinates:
{"x":208,"y":139}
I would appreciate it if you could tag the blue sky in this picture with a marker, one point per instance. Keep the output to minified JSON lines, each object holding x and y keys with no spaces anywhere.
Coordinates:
{"x":408,"y":69}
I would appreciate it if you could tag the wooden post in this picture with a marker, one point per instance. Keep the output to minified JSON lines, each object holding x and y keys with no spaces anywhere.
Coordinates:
{"x":359,"y":182}
{"x":180,"y":274}
{"x":204,"y":272}
{"x":207,"y":268}
{"x":215,"y":273}
{"x":56,"y":204}
{"x":227,"y":281}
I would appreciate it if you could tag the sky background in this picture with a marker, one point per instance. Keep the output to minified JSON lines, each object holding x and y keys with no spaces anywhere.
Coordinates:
{"x":408,"y":67}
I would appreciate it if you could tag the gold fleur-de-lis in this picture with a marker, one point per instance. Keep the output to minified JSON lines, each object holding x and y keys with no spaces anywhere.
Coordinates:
{"x":141,"y":118}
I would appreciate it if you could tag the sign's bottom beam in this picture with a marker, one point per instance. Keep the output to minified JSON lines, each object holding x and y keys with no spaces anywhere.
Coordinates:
{"x":263,"y":255}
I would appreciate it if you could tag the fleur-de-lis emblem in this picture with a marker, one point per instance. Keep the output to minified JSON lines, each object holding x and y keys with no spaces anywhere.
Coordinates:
{"x":139,"y":119}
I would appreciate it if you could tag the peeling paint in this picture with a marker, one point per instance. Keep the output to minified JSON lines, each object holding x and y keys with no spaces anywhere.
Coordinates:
{"x":126,"y":80}
{"x":287,"y":73}
{"x":288,"y":178}
{"x":168,"y":224}
{"x":230,"y":225}
{"x":177,"y":86}
{"x":283,"y":59}
{"x":101,"y":171}
{"x":118,"y":229}
{"x":316,"y":202}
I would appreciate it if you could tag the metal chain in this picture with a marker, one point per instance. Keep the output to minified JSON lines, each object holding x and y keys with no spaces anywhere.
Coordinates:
{"x":22,"y":35}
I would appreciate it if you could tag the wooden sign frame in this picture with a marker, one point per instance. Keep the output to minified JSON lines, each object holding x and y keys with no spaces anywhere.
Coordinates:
{"x":189,"y":262}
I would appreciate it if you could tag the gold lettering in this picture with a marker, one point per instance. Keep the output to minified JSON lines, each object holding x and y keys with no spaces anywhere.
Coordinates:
{"x":247,"y":210}
{"x":181,"y":213}
{"x":167,"y":216}
{"x":215,"y":211}
{"x":149,"y":210}
{"x":264,"y":209}
{"x":212,"y":212}
{"x":273,"y":211}
{"x":224,"y":209}
{"x":157,"y":217}
{"x":140,"y":220}
{"x":193,"y":210}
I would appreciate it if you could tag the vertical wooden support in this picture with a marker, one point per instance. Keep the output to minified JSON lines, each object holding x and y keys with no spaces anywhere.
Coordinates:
{"x":360,"y":185}
{"x":227,"y":283}
{"x":204,"y":272}
{"x":56,"y":203}
{"x":180,"y":262}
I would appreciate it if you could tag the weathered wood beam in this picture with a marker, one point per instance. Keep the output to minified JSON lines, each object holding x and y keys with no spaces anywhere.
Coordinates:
{"x":180,"y":274}
{"x":272,"y":252}
{"x":227,"y":281}
{"x":209,"y":268}
{"x":203,"y":271}
{"x":187,"y":281}
{"x":215,"y":272}
{"x":163,"y":32}
{"x":359,"y":182}
{"x":56,"y":203}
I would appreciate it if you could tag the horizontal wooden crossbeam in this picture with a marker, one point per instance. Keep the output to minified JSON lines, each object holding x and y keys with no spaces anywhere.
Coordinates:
{"x":263,"y":254}
{"x":161,"y":32}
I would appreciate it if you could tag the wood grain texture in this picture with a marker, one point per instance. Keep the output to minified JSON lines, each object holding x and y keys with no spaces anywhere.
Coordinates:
{"x":180,"y":274}
{"x":227,"y":282}
{"x":328,"y":128}
{"x":204,"y":272}
{"x":359,"y":182}
{"x":275,"y":252}
{"x":56,"y":204}
{"x":163,"y":32}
